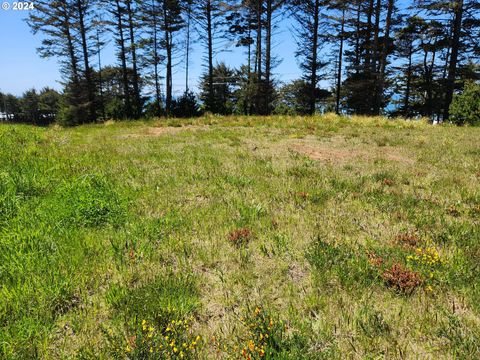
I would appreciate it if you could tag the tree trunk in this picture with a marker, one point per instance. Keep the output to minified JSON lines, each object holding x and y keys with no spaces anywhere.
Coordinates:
{"x":368,"y":75}
{"x":406,"y":104}
{"x":73,"y":59}
{"x":314,"y":69}
{"x":155,"y":60}
{"x":168,"y":100}
{"x":368,"y":35}
{"x":388,"y":25}
{"x":210,"y":54}
{"x":339,"y":70}
{"x":383,"y":58}
{"x":187,"y":55}
{"x":121,"y":40}
{"x":71,"y":49}
{"x":376,"y":32}
{"x":248,"y":100}
{"x":100,"y":82}
{"x":259,"y":56}
{"x":375,"y":59}
{"x":268,"y":57}
{"x":428,"y":78}
{"x":88,"y":74}
{"x":357,"y":38}
{"x":168,"y":48}
{"x":136,"y":88}
{"x":455,"y":41}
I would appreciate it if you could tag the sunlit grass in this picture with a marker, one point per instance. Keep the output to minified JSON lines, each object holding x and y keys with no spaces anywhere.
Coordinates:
{"x":358,"y":237}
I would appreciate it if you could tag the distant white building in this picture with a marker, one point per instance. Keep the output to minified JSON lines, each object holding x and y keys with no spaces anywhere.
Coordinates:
{"x":3,"y":116}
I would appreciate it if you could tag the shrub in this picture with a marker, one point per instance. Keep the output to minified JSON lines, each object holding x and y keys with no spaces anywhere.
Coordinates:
{"x":186,"y":106}
{"x":71,"y":115}
{"x":266,"y":335}
{"x":401,"y":279}
{"x":240,"y":237}
{"x":158,"y":319}
{"x":429,"y":264}
{"x":151,"y":340}
{"x":465,"y":107}
{"x":172,"y":341}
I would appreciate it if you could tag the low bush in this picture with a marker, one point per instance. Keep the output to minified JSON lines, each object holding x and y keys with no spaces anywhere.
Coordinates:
{"x":401,"y":279}
{"x":240,"y":237}
{"x":465,"y":107}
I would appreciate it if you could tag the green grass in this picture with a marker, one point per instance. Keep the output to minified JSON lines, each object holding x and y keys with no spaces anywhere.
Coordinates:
{"x":107,"y":227}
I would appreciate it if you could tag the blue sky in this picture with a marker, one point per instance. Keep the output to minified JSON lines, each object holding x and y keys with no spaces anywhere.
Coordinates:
{"x":21,"y":68}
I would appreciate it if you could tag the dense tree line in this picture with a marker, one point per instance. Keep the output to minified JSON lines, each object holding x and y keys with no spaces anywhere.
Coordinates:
{"x":35,"y":107}
{"x":380,"y":56}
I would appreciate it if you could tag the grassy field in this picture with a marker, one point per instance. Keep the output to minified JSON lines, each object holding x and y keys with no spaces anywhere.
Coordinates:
{"x":231,"y":238}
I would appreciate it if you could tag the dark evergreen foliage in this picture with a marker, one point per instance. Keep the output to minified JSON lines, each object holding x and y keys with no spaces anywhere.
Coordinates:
{"x":381,"y":56}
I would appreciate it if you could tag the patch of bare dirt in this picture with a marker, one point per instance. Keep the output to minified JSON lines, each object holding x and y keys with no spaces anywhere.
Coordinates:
{"x":160,"y":131}
{"x":324,"y":154}
{"x":394,"y":155}
{"x":297,"y":273}
{"x":341,"y":156}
